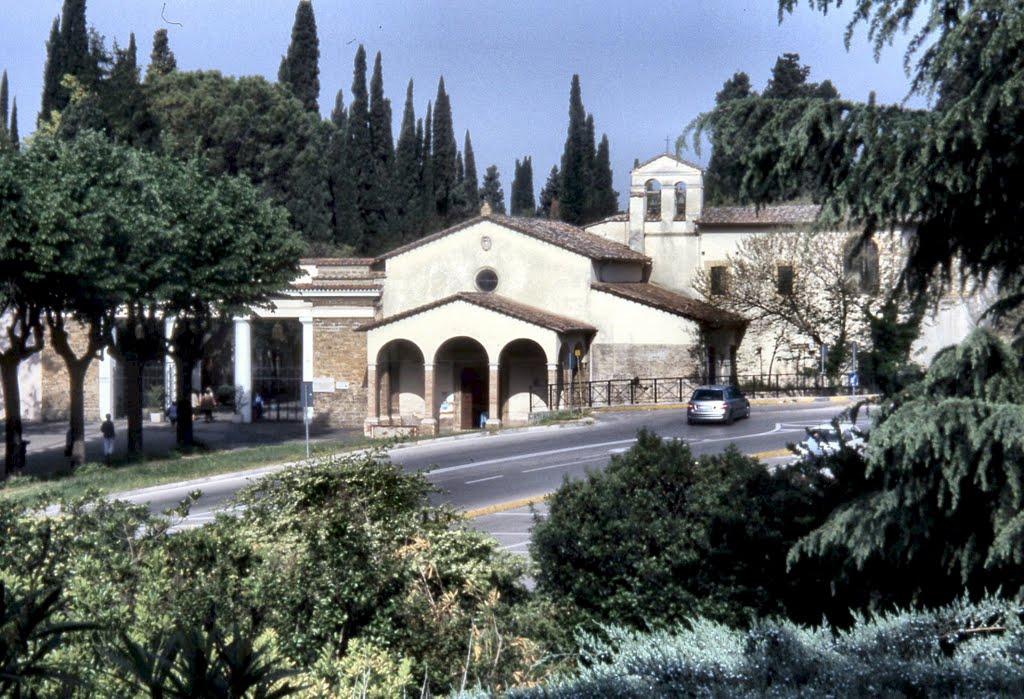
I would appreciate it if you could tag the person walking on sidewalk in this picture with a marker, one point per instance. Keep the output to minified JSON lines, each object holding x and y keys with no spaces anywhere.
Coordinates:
{"x":107,"y":428}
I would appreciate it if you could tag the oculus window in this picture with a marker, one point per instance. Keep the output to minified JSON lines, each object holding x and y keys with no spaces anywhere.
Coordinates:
{"x":487,"y":280}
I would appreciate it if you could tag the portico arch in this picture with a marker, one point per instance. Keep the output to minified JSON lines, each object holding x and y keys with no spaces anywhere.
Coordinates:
{"x":400,"y":381}
{"x":523,"y":380}
{"x":462,"y":378}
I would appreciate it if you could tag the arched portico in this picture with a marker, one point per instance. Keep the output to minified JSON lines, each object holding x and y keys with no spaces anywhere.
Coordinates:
{"x":462,"y":379}
{"x":400,"y":383}
{"x":523,"y":380}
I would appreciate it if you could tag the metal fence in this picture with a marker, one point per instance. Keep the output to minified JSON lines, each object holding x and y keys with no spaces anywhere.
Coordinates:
{"x":280,"y":389}
{"x":651,"y":391}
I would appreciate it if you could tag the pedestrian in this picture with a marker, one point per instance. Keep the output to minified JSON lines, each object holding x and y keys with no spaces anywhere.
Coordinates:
{"x":107,"y":429}
{"x":206,"y":404}
{"x":257,"y":407}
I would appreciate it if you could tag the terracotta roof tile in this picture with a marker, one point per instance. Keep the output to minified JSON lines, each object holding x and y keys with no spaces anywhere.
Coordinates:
{"x":338,"y":261}
{"x":336,"y":285}
{"x":673,"y":157}
{"x":556,"y":233}
{"x":779,"y":215}
{"x":671,"y":302}
{"x":498,"y":304}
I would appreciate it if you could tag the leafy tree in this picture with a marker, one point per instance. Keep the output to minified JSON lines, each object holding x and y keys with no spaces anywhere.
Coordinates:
{"x":523,"y":203}
{"x":471,"y":193}
{"x":661,"y":536}
{"x":939,"y":510}
{"x":300,"y":67}
{"x":550,"y":195}
{"x":443,"y":157}
{"x":826,"y":300}
{"x":879,"y":167}
{"x":491,"y":192}
{"x":161,"y":58}
{"x":20,"y":307}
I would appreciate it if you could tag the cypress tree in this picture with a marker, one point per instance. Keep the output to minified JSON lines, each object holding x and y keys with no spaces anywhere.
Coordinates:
{"x":378,"y":207}
{"x":300,"y":67}
{"x":339,"y":179}
{"x":52,"y":73}
{"x":309,"y":197}
{"x":522,"y":189}
{"x":427,"y":173}
{"x":78,"y":57}
{"x":443,"y":157}
{"x":407,"y":190}
{"x":575,"y":173}
{"x":15,"y":139}
{"x":606,"y":199}
{"x":3,"y":102}
{"x":123,"y":102}
{"x":491,"y":191}
{"x":360,"y":154}
{"x":471,"y":193}
{"x":550,"y":195}
{"x":161,"y":59}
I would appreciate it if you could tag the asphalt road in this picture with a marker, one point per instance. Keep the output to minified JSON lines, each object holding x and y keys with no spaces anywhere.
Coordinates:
{"x":486,"y":470}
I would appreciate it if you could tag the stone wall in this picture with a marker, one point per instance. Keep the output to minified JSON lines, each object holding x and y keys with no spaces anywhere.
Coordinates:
{"x":55,"y":400}
{"x":339,"y":352}
{"x":645,"y":361}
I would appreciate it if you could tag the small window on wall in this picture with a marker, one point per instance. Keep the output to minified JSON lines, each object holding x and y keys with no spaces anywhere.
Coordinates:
{"x":785,"y":280}
{"x":680,"y":201}
{"x":487,"y":280}
{"x":653,"y":189}
{"x":719,"y":280}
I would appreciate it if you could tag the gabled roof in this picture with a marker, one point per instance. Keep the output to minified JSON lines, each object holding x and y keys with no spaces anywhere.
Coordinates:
{"x":671,"y":302}
{"x":777,"y":215}
{"x":670,"y":157}
{"x":498,"y":304}
{"x":557,"y":233}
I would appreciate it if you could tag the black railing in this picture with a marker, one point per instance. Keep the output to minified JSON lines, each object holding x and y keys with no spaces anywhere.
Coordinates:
{"x":650,"y":391}
{"x":280,"y":389}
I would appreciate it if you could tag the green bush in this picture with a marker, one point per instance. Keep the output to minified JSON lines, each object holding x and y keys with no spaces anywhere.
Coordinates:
{"x":661,"y":536}
{"x":960,"y":650}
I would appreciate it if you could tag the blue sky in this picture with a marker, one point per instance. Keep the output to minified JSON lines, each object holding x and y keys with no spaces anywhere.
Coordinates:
{"x":646,"y":69}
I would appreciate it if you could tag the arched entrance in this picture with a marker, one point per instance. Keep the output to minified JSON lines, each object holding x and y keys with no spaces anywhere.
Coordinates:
{"x":523,"y":381}
{"x":462,"y":374}
{"x":400,"y":376}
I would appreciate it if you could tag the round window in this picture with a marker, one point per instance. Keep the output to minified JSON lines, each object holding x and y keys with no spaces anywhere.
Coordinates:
{"x":487,"y":280}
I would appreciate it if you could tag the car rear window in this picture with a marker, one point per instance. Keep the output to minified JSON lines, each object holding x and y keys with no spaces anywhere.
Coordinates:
{"x":706,"y":394}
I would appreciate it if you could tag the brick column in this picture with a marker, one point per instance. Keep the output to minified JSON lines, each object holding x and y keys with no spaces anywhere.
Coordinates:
{"x":428,"y":425}
{"x":384,"y":378}
{"x":493,"y":416}
{"x":243,"y":369}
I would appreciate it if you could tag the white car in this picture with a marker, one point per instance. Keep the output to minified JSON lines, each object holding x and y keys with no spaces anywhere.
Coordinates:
{"x":823,"y":439}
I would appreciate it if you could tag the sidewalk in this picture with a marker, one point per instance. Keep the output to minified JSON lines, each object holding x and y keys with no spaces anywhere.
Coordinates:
{"x":46,"y":440}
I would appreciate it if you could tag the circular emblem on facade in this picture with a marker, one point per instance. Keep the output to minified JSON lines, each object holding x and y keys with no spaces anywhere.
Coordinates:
{"x":485,"y":242}
{"x":487,"y":280}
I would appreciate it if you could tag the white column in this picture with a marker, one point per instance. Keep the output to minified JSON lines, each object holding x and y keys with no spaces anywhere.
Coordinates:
{"x":307,"y":352}
{"x":106,"y":373}
{"x":170,"y":370}
{"x":243,"y":369}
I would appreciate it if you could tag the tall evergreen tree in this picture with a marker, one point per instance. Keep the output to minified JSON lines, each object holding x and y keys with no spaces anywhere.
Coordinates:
{"x":3,"y":103}
{"x":723,"y":174}
{"x":408,"y":172}
{"x":443,"y":157}
{"x":300,"y":67}
{"x":523,"y":203}
{"x":123,"y":102}
{"x":360,"y":151}
{"x":550,"y":195}
{"x":78,"y":58}
{"x":52,"y":73}
{"x":575,"y":180}
{"x":491,"y":192}
{"x":339,"y":177}
{"x":427,"y":172}
{"x":378,"y":204}
{"x":161,"y":59}
{"x":13,"y":132}
{"x":471,"y":194}
{"x":606,"y":199}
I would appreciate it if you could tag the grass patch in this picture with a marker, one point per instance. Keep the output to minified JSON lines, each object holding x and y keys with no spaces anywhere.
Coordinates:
{"x":171,"y":468}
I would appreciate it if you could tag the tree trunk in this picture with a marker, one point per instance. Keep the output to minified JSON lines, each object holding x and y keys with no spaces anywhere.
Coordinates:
{"x":76,"y":420}
{"x":12,"y":411}
{"x":133,"y":405}
{"x":185,"y":434}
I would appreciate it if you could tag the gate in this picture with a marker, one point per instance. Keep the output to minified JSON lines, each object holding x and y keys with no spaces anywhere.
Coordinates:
{"x":280,"y":388}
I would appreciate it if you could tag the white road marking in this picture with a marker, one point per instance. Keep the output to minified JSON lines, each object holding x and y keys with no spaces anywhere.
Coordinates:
{"x":534,"y":455}
{"x":481,"y":480}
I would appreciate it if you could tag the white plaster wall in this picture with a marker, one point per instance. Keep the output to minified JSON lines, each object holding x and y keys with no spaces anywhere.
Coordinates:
{"x":676,"y":258}
{"x":615,"y":231}
{"x":529,"y":271}
{"x":627,"y":322}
